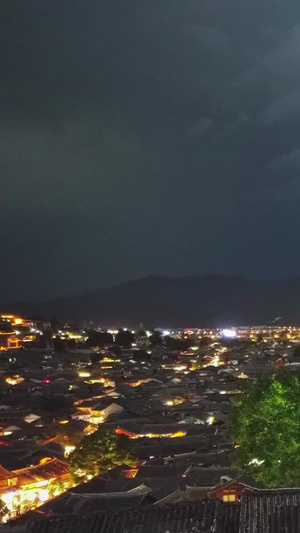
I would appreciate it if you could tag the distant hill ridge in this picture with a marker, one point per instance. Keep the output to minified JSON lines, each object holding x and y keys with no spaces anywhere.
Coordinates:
{"x":204,"y":301}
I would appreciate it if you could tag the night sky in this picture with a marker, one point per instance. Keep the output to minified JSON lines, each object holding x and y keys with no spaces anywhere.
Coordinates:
{"x":146,"y":137}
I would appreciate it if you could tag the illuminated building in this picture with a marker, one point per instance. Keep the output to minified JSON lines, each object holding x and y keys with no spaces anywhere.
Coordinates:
{"x":15,"y":320}
{"x":70,"y":334}
{"x":95,"y":412}
{"x":151,"y":431}
{"x":27,"y":488}
{"x":7,"y":479}
{"x":14,"y":380}
{"x":8,"y":339}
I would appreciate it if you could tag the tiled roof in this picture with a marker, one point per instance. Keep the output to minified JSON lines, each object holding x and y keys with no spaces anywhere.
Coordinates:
{"x":95,"y":485}
{"x":206,"y":516}
{"x":5,"y":474}
{"x":158,"y":487}
{"x":160,"y":471}
{"x":52,"y":469}
{"x":78,"y":504}
{"x":180,"y":496}
{"x":271,"y":511}
{"x":154,"y":429}
{"x":207,"y":477}
{"x":168,"y":446}
{"x":264,"y":511}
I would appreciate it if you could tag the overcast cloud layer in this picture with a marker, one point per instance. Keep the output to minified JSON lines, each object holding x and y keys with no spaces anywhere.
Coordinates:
{"x":147,"y":137}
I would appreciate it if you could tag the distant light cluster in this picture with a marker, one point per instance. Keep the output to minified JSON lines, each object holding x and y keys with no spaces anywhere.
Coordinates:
{"x":230,"y":333}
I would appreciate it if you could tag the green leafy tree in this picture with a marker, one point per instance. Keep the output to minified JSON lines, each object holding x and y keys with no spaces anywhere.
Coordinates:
{"x":55,"y":488}
{"x":66,"y":434}
{"x":101,"y":451}
{"x":265,"y":426}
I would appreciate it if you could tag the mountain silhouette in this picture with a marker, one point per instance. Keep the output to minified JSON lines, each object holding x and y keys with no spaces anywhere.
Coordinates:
{"x":161,"y":301}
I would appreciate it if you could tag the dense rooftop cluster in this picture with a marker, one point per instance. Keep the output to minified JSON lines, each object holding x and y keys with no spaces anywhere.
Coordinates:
{"x":169,"y":392}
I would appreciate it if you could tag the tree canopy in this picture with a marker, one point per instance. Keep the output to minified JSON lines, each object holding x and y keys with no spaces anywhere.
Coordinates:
{"x":155,"y":338}
{"x":173,"y":344}
{"x":98,"y":338}
{"x":265,"y":425}
{"x":124,"y":338}
{"x":66,"y":434}
{"x":98,"y":452}
{"x":55,"y":488}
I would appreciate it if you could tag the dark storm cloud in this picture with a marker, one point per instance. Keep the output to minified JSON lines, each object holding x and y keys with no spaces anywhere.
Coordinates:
{"x":147,"y":137}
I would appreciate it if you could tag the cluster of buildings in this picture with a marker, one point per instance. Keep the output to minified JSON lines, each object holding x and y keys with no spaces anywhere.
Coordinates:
{"x":242,"y":332}
{"x":172,"y":404}
{"x":258,"y":512}
{"x":17,"y":332}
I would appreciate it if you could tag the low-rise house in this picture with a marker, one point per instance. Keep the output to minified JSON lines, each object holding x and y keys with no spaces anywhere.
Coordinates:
{"x":8,"y":338}
{"x":27,"y":488}
{"x":97,"y":411}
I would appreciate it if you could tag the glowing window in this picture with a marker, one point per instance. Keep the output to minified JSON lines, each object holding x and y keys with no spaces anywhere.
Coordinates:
{"x":229,"y":498}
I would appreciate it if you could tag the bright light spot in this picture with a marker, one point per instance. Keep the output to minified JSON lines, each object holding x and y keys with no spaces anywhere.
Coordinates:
{"x":215,"y":361}
{"x":229,"y":333}
{"x":256,"y":462}
{"x":8,"y":497}
{"x":14,"y":380}
{"x":43,"y":495}
{"x":68,"y":450}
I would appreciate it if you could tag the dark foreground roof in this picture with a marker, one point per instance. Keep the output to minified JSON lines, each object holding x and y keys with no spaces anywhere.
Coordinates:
{"x":83,"y":504}
{"x":205,"y":517}
{"x":264,"y":511}
{"x":271,"y":512}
